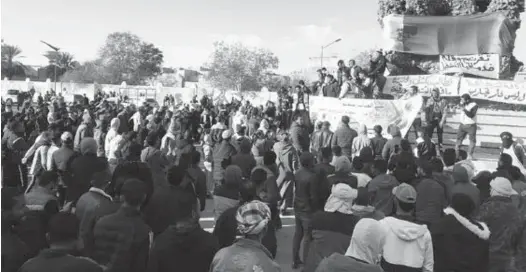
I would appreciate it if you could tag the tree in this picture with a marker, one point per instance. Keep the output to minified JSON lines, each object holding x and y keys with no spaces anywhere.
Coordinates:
{"x":63,"y":61}
{"x":130,"y":59}
{"x":11,"y":64}
{"x":88,"y":72}
{"x":240,"y":68}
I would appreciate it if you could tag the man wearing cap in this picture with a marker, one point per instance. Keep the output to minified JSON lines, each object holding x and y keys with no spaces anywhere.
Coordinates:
{"x":468,"y":124}
{"x":435,"y":113}
{"x":505,"y":222}
{"x":515,"y":150}
{"x":408,"y":245}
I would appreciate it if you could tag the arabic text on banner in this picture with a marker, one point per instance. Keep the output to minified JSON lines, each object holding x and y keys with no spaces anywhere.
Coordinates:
{"x":484,"y":65}
{"x":510,"y":92}
{"x":397,"y":85}
{"x":367,"y":111}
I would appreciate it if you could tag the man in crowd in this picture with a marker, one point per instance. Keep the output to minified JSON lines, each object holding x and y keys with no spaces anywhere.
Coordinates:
{"x":435,"y":113}
{"x":344,"y":136}
{"x":515,"y":150}
{"x":299,"y":135}
{"x":468,"y":124}
{"x":342,"y":70}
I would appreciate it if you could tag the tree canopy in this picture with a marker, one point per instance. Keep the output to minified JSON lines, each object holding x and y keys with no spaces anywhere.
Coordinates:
{"x":61,"y":62}
{"x":11,"y":61}
{"x":238,"y":67}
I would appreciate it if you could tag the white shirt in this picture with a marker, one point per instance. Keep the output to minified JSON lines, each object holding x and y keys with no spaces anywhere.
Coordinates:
{"x":464,"y":119}
{"x":50,"y":152}
{"x":515,"y":161}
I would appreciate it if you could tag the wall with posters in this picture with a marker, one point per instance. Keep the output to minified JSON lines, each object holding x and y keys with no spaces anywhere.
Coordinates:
{"x":483,"y":65}
{"x":495,"y":90}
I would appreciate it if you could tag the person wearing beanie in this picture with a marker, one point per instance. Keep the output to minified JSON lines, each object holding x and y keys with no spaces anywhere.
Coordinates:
{"x":83,"y":131}
{"x":460,"y":243}
{"x":505,"y":222}
{"x":408,"y":245}
{"x":344,"y":136}
{"x":342,"y":174}
{"x":463,"y":185}
{"x":121,"y":241}
{"x":82,"y":168}
{"x":60,"y":256}
{"x":222,"y":150}
{"x":333,"y":227}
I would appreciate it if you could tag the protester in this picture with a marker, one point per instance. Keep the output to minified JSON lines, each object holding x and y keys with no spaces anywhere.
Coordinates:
{"x":361,"y":141}
{"x":84,"y":130}
{"x":333,"y":227}
{"x":223,"y":150}
{"x":299,"y":135}
{"x":381,"y":188}
{"x":184,"y":245}
{"x":247,"y":252}
{"x":195,"y":177}
{"x":344,"y":136}
{"x":315,"y":138}
{"x":408,"y":245}
{"x":244,"y":159}
{"x":463,"y":185}
{"x":432,"y":198}
{"x":515,"y":150}
{"x":358,"y":170}
{"x":504,"y":221}
{"x":342,"y":173}
{"x":468,"y":124}
{"x":378,"y":142}
{"x":392,"y":146}
{"x":226,"y":195}
{"x":305,"y":204}
{"x":60,"y":256}
{"x":435,"y":112}
{"x":363,"y":207}
{"x":122,"y":240}
{"x":459,"y":242}
{"x":363,"y":253}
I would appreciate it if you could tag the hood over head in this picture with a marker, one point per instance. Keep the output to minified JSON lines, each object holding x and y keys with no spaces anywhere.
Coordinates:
{"x":367,"y":241}
{"x":405,"y":230}
{"x":362,"y":129}
{"x":115,"y":123}
{"x":395,"y":131}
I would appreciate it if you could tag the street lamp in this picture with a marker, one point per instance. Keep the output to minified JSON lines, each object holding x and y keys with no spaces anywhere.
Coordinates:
{"x":56,"y":49}
{"x":325,"y":46}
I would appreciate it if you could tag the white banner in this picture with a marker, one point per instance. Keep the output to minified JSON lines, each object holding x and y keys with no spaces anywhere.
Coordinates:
{"x":510,"y":92}
{"x":484,"y":65}
{"x":367,"y":111}
{"x":397,"y":85}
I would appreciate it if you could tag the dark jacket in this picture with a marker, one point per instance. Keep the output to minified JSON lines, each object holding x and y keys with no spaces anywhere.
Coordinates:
{"x":332,"y":89}
{"x":378,"y":66}
{"x":431,"y":200}
{"x":382,"y":187}
{"x":331,"y":232}
{"x":197,"y":178}
{"x":323,"y":170}
{"x":460,"y":244}
{"x":86,"y":206}
{"x":122,"y":241}
{"x":391,"y":147}
{"x":504,"y":221}
{"x":245,"y":161}
{"x":340,"y":177}
{"x":300,"y":137}
{"x":59,"y":261}
{"x":377,"y":144}
{"x":182,"y":250}
{"x":14,"y":251}
{"x":307,"y":197}
{"x":165,"y":207}
{"x":223,"y":150}
{"x":82,"y":169}
{"x":343,"y":137}
{"x":61,"y":158}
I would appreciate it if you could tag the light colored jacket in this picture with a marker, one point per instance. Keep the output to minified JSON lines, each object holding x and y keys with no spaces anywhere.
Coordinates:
{"x":407,"y":244}
{"x":361,"y":141}
{"x":39,"y":160}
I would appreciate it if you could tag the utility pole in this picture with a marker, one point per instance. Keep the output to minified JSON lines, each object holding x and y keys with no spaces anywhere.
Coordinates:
{"x":56,"y":49}
{"x":325,"y":46}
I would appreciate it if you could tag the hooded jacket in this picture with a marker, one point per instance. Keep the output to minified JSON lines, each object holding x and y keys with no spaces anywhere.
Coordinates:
{"x":244,"y":256}
{"x":361,"y":141}
{"x":382,"y":187}
{"x":431,"y":200}
{"x":157,"y":163}
{"x":244,"y":159}
{"x":343,"y":137}
{"x":84,"y":130}
{"x":408,"y":246}
{"x":300,"y":137}
{"x":393,"y":144}
{"x":178,"y":249}
{"x":460,"y":244}
{"x":221,"y":151}
{"x":341,"y":263}
{"x":112,"y":133}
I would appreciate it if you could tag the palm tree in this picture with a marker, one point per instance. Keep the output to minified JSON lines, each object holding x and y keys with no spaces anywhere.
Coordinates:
{"x":11,"y":65}
{"x":63,"y":61}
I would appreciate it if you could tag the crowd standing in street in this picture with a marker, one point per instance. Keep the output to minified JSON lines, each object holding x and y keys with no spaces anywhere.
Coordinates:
{"x":103,"y":186}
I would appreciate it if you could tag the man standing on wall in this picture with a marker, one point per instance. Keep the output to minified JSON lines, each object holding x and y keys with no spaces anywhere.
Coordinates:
{"x":435,"y":113}
{"x":468,"y":124}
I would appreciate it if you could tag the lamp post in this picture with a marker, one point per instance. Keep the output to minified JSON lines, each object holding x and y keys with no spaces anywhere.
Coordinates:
{"x":325,"y":46}
{"x":56,"y":49}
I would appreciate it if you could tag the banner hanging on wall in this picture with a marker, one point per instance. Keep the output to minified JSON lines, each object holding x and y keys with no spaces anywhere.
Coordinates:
{"x":483,"y":65}
{"x":510,"y":92}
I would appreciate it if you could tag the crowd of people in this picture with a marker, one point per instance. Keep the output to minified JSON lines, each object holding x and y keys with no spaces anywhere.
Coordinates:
{"x":100,"y":186}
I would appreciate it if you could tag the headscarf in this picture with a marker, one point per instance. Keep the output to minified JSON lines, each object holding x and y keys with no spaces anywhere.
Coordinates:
{"x":341,"y":199}
{"x":367,"y":241}
{"x":252,"y":217}
{"x":233,"y":175}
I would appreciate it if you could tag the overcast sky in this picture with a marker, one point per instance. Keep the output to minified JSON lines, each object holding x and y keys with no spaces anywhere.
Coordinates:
{"x":185,"y":29}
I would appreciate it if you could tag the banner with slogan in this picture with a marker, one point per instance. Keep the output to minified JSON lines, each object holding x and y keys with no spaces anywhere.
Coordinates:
{"x":510,"y":92}
{"x":367,"y":111}
{"x":484,"y":65}
{"x":397,"y":85}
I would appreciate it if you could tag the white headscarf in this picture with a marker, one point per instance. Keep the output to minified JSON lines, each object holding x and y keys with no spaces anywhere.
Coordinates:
{"x":367,"y":241}
{"x":341,"y":199}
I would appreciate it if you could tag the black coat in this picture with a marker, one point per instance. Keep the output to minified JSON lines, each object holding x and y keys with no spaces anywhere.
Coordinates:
{"x":457,"y":248}
{"x":176,"y":250}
